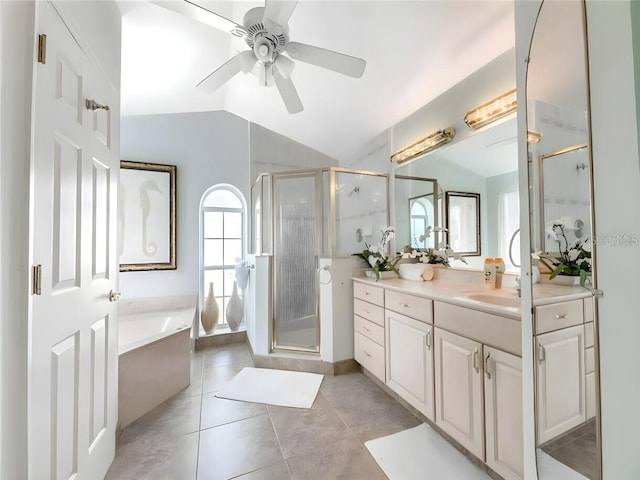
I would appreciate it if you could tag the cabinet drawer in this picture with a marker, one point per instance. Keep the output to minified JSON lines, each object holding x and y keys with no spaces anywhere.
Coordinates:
{"x":370,"y":355}
{"x":409,"y":305}
{"x":589,"y":360}
{"x":369,"y":293}
{"x":369,"y":311}
{"x":558,"y":315}
{"x":588,"y":335}
{"x":500,"y":332}
{"x":369,"y":329}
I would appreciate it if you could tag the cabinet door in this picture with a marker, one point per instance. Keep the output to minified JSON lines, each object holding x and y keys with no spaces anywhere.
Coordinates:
{"x":409,"y":360}
{"x":560,"y":381}
{"x":458,"y":390}
{"x":503,"y":412}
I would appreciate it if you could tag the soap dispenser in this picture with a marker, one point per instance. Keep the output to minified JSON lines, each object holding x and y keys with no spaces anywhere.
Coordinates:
{"x":489,"y":272}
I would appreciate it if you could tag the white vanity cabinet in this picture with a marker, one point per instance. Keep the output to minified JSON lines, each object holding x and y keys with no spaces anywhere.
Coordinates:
{"x":565,"y":370}
{"x":409,"y":360}
{"x":560,"y":381}
{"x":458,"y":389}
{"x":460,"y":367}
{"x":478,"y":390}
{"x":368,"y":321}
{"x":503,"y":412}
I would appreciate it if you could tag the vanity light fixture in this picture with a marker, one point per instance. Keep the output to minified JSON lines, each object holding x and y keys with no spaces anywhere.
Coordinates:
{"x":492,"y":110}
{"x":533,"y":137}
{"x":424,"y":145}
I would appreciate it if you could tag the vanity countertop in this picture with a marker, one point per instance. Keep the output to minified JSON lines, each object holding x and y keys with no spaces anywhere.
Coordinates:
{"x":458,"y":293}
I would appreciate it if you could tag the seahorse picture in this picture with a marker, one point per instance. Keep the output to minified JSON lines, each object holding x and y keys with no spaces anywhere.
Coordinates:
{"x":146,"y":211}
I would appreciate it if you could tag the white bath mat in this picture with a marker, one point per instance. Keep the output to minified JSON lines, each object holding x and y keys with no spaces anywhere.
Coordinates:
{"x":420,"y":453}
{"x":275,"y":387}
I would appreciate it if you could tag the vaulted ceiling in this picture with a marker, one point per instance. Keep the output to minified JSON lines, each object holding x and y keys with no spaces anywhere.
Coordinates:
{"x":415,"y":50}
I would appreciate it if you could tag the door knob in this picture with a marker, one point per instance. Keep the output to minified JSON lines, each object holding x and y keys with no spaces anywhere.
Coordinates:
{"x":91,"y":104}
{"x":114,"y":296}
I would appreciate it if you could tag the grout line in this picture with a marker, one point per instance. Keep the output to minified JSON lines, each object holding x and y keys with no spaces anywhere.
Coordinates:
{"x":275,"y":433}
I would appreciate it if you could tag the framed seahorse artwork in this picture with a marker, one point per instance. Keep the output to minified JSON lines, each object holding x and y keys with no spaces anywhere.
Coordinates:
{"x":146,"y":237}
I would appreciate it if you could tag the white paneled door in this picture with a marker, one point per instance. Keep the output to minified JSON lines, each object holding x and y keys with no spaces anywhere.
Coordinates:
{"x":73,"y":324}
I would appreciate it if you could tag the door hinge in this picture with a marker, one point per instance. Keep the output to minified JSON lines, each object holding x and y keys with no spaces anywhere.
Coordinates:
{"x":36,"y":280}
{"x":42,"y":48}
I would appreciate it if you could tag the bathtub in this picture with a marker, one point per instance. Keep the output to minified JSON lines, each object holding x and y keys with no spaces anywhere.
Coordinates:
{"x":154,"y":349}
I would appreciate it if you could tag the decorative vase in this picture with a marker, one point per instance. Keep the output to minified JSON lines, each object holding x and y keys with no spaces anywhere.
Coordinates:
{"x":210,"y":311}
{"x":235,"y":309}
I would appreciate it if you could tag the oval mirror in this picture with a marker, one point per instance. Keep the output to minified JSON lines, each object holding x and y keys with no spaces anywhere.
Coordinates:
{"x":560,"y":173}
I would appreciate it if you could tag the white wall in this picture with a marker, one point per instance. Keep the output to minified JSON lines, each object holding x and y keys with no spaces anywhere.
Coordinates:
{"x":16,"y":47}
{"x":208,"y":148}
{"x":617,"y":196}
{"x":447,"y":110}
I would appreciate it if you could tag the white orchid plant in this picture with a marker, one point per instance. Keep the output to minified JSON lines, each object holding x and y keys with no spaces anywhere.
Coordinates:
{"x":434,"y":256}
{"x":376,"y":256}
{"x":574,"y":258}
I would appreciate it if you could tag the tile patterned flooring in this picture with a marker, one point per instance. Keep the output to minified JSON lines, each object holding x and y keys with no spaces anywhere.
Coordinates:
{"x":195,"y":435}
{"x":577,"y":449}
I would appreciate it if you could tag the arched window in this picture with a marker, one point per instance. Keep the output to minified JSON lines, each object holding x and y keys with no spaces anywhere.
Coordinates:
{"x":421,"y":211}
{"x":222,"y":217}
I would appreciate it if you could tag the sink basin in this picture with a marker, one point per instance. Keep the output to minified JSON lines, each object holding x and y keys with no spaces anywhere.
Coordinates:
{"x":494,"y":299}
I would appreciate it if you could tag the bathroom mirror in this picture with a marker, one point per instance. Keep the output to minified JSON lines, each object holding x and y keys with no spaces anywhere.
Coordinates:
{"x":485,"y":162}
{"x":416,"y":209}
{"x":560,"y":174}
{"x":463,"y":222}
{"x":566,"y":199}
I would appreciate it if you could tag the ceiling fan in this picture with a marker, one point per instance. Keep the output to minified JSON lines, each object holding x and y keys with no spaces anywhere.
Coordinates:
{"x":266,"y":32}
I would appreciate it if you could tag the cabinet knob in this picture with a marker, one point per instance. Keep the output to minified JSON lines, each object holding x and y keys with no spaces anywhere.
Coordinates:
{"x":561,"y":316}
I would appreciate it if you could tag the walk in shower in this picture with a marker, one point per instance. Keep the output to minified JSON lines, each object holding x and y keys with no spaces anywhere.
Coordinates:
{"x":300,"y":217}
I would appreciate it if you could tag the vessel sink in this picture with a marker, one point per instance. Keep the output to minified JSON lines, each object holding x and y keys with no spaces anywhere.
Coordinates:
{"x":494,"y":299}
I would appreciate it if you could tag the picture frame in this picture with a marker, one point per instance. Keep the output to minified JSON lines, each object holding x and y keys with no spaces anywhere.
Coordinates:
{"x":146,"y":216}
{"x":462,"y":211}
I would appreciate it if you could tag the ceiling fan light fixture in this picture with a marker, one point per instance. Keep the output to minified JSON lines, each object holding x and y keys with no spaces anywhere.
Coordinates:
{"x":424,"y":145}
{"x":492,"y":110}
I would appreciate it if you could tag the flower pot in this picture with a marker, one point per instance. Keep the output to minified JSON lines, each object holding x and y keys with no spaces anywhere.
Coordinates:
{"x":235,"y":309}
{"x":209,"y":312}
{"x":383,"y":275}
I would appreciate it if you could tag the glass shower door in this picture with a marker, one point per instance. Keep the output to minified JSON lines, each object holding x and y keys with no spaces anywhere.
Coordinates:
{"x":296,"y":241}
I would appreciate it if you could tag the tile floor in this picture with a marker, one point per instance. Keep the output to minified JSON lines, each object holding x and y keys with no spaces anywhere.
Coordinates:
{"x":198,"y":436}
{"x":577,"y":449}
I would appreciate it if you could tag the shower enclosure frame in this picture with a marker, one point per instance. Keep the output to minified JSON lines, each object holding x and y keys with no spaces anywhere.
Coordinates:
{"x":326,"y":235}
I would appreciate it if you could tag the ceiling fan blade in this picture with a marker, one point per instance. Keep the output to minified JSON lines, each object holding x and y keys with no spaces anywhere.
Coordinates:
{"x":201,"y":14}
{"x":279,"y":11}
{"x":242,"y":62}
{"x":288,"y":93}
{"x":284,"y":65}
{"x":338,"y":62}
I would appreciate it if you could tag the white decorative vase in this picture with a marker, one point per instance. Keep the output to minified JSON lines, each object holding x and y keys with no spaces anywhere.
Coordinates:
{"x":210,"y":312}
{"x":235,"y":309}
